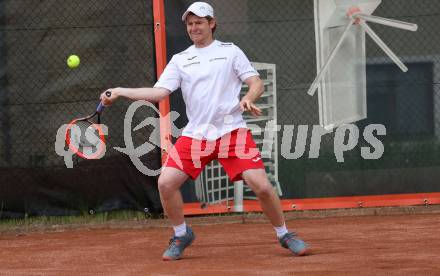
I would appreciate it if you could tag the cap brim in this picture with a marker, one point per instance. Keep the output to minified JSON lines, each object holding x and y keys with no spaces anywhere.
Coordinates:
{"x":184,"y":15}
{"x":198,"y":14}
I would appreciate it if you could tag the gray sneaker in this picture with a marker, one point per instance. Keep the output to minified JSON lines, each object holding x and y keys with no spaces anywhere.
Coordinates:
{"x":177,"y":245}
{"x":295,"y":245}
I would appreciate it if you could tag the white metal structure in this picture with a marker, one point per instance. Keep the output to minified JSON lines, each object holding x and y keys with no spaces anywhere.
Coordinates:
{"x":213,"y":185}
{"x":340,"y":27}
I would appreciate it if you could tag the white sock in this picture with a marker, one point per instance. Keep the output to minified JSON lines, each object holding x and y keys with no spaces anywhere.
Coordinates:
{"x":281,"y":231}
{"x":180,"y":230}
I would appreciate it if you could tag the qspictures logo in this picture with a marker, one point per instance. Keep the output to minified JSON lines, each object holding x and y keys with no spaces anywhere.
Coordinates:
{"x":346,"y":138}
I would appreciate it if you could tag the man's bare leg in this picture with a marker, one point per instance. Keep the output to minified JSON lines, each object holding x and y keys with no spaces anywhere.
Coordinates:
{"x":257,"y":180}
{"x":169,"y":183}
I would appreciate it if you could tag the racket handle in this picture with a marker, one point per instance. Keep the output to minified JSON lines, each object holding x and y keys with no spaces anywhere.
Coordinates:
{"x":100,"y":107}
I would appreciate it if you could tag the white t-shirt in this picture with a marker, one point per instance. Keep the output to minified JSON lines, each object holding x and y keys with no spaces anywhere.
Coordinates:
{"x":210,"y":79}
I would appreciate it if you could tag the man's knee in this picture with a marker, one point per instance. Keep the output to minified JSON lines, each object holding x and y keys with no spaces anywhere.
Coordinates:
{"x":170,"y":181}
{"x":260,"y":185}
{"x":263,"y":190}
{"x":165,"y":185}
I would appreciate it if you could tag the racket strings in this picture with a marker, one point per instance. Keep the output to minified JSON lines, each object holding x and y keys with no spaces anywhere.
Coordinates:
{"x":85,"y":135}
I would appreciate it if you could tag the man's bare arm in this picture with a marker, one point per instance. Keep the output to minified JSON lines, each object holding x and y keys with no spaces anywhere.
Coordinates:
{"x":256,"y":89}
{"x":145,"y":93}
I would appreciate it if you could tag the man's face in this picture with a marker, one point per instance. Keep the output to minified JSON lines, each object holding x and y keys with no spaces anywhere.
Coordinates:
{"x":199,"y":28}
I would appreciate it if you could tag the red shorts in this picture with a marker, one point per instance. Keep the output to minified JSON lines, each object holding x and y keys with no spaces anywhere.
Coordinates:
{"x":236,"y":152}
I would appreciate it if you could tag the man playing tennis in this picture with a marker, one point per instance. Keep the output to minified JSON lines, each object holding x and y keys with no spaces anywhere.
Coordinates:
{"x":210,"y":74}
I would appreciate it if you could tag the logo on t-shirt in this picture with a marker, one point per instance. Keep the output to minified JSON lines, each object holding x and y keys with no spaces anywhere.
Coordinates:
{"x":192,"y":63}
{"x":191,"y":58}
{"x":226,"y":44}
{"x":217,"y":58}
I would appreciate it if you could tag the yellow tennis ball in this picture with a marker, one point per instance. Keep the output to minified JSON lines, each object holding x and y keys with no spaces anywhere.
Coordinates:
{"x":73,"y":61}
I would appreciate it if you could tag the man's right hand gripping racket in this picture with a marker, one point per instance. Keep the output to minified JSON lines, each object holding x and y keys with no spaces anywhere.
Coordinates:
{"x":85,"y":137}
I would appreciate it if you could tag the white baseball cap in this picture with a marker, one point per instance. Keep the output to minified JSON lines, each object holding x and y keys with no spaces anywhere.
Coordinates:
{"x":200,"y":9}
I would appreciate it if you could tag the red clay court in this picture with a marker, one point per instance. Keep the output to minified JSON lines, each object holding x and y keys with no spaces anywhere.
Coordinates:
{"x":403,"y":244}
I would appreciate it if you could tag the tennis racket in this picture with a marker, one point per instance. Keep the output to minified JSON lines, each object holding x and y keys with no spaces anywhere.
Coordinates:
{"x":84,"y":136}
